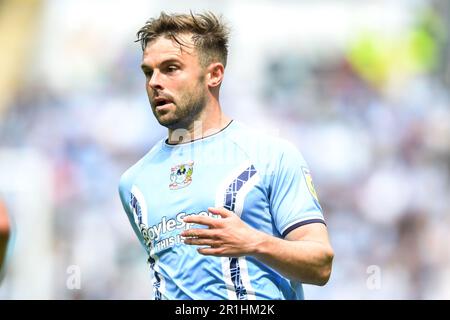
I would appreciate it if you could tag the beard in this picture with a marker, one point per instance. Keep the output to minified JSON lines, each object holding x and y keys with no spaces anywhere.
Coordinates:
{"x":188,"y":108}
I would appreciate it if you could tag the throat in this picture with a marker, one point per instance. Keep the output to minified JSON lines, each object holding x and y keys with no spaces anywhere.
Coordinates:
{"x":194,"y":132}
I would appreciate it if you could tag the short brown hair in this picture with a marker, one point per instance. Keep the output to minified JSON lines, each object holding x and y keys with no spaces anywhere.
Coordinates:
{"x":210,"y":34}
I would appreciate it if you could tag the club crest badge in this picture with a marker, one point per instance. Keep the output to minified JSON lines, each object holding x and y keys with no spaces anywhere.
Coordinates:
{"x":181,"y":175}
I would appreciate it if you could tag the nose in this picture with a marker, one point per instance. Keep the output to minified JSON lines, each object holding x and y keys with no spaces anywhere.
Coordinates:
{"x":155,"y":81}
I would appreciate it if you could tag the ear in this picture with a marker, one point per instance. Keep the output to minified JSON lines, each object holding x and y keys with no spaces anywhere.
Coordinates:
{"x":215,"y":74}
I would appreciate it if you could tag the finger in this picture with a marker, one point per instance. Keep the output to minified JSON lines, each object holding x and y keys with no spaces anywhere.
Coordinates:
{"x":199,"y":233}
{"x":202,"y":242}
{"x":207,"y":221}
{"x":224,"y":213}
{"x":218,"y":252}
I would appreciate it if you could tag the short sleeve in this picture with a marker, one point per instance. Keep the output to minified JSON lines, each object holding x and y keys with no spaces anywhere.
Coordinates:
{"x":293,"y":199}
{"x":130,"y":206}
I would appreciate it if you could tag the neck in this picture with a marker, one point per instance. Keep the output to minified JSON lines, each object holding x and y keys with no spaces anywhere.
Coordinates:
{"x":209,"y":122}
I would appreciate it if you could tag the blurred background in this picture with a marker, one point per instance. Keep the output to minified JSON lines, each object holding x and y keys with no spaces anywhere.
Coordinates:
{"x":361,"y":87}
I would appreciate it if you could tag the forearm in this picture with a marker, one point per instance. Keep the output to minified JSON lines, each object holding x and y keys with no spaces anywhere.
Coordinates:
{"x":303,"y":260}
{"x":305,"y":255}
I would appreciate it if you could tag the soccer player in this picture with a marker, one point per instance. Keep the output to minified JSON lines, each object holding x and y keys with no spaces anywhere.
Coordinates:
{"x":4,"y":233}
{"x":223,"y":212}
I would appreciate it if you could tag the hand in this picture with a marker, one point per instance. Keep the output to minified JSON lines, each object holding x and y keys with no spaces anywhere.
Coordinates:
{"x":226,"y":237}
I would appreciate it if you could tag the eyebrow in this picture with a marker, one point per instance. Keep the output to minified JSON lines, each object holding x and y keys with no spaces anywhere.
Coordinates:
{"x":164,"y":62}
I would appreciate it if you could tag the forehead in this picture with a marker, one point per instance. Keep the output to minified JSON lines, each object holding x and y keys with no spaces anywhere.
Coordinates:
{"x":164,"y":48}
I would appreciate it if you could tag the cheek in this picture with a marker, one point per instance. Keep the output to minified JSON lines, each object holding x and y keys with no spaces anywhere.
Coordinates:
{"x":186,"y":88}
{"x":182,"y":90}
{"x":148,"y":88}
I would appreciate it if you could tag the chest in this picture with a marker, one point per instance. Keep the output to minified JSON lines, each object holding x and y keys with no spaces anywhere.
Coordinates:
{"x":190,"y":185}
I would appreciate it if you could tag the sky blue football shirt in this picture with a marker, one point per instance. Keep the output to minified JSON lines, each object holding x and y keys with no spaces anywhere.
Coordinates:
{"x":262,"y":179}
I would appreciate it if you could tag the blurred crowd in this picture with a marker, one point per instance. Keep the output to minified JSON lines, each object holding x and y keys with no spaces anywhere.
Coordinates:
{"x":374,"y":129}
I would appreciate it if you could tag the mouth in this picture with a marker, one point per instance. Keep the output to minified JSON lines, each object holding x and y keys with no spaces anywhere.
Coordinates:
{"x":160,"y":103}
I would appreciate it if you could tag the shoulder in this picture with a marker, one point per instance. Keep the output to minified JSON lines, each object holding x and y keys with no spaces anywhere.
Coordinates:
{"x":131,"y":173}
{"x":264,"y":146}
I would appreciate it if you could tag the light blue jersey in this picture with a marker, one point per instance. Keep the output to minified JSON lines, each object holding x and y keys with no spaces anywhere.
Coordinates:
{"x":262,"y":179}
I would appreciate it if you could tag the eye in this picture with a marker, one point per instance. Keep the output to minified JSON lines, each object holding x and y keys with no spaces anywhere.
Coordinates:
{"x":172,"y":68}
{"x":148,"y":73}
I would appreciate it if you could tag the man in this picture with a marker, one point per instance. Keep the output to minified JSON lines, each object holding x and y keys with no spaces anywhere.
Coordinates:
{"x":224,"y":213}
{"x":4,"y":233}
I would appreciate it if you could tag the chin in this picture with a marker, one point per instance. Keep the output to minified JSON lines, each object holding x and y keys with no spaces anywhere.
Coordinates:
{"x":169,"y":123}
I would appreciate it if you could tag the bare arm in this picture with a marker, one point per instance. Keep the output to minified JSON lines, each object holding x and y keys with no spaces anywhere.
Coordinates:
{"x":305,"y":255}
{"x":4,"y":233}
